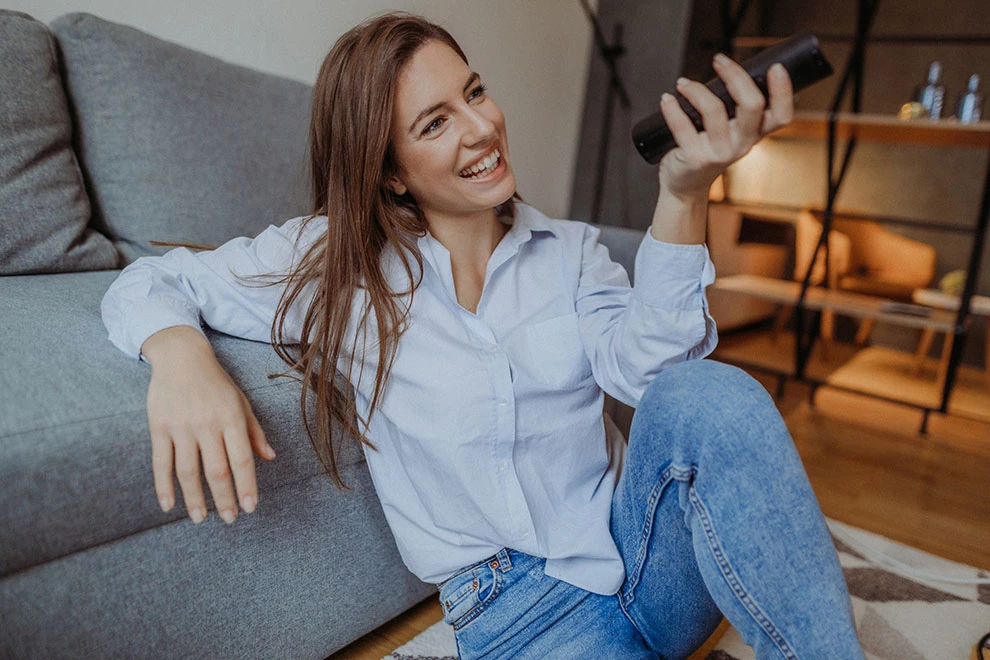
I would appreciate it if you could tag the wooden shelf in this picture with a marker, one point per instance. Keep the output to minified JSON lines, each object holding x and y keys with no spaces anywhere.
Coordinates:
{"x":874,"y":371}
{"x":842,"y":302}
{"x":762,"y":211}
{"x":888,"y":128}
{"x":890,"y":374}
{"x":789,"y":214}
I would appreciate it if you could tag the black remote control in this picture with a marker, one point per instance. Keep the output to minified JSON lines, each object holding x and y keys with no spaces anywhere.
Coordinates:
{"x":800,"y":54}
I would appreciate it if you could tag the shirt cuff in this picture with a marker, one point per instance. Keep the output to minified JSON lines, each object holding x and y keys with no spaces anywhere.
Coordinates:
{"x":144,"y":324}
{"x":672,"y":276}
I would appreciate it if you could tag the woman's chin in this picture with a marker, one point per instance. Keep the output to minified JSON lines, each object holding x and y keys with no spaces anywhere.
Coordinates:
{"x":495,"y":192}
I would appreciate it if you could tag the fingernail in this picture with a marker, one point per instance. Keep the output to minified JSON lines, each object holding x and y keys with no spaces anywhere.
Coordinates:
{"x":270,"y":452}
{"x":666,"y":97}
{"x":248,"y":504}
{"x":228,"y":516}
{"x":778,"y":69}
{"x":165,"y":503}
{"x":720,"y":58}
{"x":682,"y":81}
{"x":197,"y":515}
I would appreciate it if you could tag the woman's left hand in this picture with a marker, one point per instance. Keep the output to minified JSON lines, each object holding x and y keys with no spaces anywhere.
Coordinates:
{"x":688,"y":170}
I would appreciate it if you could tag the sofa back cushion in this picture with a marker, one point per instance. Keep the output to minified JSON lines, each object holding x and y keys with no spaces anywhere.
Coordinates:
{"x":44,"y":211}
{"x":179,"y":146}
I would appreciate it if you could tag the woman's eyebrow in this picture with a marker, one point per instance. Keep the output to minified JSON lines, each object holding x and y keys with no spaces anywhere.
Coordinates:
{"x":473,"y":78}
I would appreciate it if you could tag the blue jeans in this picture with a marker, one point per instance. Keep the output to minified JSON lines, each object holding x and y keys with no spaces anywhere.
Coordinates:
{"x":713,"y":515}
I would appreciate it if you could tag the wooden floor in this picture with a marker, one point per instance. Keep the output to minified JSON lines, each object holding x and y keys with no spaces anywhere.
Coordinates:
{"x":869,"y":468}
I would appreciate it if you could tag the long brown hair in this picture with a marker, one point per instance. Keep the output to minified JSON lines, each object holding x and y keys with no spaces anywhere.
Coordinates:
{"x":351,"y":162}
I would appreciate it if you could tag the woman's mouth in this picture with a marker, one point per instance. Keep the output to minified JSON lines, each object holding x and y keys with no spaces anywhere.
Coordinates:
{"x":483,"y":167}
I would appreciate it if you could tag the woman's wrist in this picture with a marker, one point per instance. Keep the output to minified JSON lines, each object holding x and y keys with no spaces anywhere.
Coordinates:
{"x":175,"y":343}
{"x":680,"y":219}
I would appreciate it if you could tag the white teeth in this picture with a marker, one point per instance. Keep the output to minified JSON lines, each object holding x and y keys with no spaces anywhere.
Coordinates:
{"x":484,"y":167}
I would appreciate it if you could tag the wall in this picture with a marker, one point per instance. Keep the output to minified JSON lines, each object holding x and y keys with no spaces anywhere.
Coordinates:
{"x":516,"y":45}
{"x":654,"y":37}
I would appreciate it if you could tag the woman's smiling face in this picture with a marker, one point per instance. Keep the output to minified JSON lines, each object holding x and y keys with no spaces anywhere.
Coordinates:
{"x":449,"y":137}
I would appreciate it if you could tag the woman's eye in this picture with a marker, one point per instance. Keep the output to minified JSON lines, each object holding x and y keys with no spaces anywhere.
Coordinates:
{"x":477,"y":92}
{"x":433,"y":125}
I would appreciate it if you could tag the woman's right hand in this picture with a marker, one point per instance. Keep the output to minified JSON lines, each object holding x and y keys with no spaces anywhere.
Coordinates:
{"x":197,"y":415}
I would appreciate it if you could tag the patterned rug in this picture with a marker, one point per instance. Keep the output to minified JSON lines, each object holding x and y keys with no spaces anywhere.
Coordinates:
{"x":902,"y":612}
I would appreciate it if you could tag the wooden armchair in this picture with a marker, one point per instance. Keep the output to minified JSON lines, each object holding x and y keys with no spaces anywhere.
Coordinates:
{"x":883,"y":263}
{"x":864,"y":258}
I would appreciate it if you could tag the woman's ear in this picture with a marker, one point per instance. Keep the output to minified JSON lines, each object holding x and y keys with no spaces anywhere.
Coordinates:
{"x":397,"y":186}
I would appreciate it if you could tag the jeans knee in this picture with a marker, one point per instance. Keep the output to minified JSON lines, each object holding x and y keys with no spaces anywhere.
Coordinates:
{"x":710,"y":398}
{"x":706,"y":385}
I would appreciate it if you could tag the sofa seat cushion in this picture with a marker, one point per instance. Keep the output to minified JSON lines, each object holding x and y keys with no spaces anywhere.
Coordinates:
{"x":44,"y":214}
{"x":179,"y":146}
{"x":74,"y":446}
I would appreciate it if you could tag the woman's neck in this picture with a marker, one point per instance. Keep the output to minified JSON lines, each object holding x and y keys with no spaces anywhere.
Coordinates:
{"x":469,"y":239}
{"x":470,"y":242}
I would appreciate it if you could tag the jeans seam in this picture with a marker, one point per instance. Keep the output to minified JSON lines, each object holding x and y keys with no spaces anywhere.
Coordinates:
{"x":665,"y":478}
{"x":632,"y":621}
{"x":732,"y":579}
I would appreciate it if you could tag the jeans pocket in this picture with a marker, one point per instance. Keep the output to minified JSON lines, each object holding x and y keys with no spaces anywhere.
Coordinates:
{"x":466,"y":595}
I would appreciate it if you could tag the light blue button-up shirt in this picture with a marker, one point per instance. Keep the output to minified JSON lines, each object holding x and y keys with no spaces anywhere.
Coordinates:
{"x":490,"y":432}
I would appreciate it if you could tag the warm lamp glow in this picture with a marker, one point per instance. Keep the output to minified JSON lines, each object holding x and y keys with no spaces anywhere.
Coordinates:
{"x":717,"y":192}
{"x":750,"y":175}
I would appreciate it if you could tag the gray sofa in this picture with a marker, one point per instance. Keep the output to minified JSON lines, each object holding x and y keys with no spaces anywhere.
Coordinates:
{"x":112,"y":138}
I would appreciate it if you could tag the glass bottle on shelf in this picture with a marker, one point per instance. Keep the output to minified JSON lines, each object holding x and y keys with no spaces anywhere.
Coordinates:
{"x":932,"y":94}
{"x":969,"y":108}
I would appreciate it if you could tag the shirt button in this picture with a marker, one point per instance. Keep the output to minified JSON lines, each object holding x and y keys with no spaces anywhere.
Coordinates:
{"x":501,"y":466}
{"x":525,"y":535}
{"x":502,"y":402}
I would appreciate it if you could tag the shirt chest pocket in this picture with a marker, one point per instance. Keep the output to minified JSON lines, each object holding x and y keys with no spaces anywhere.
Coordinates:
{"x":552,"y":352}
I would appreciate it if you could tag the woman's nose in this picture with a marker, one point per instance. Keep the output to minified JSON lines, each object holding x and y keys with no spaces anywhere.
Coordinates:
{"x":478,"y":127}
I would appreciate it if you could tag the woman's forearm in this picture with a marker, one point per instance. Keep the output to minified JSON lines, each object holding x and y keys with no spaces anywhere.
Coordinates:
{"x":682,"y":221}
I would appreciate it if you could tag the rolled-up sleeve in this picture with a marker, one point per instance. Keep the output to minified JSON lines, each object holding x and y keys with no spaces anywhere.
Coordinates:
{"x":631,"y":334}
{"x":232,"y":289}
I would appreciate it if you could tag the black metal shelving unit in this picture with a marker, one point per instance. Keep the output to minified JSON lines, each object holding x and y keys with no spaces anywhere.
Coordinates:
{"x":852,"y":79}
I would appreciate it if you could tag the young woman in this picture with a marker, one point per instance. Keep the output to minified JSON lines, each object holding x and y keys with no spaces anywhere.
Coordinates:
{"x":477,"y":337}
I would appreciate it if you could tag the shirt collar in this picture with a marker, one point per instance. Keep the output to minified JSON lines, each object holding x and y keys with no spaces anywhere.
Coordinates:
{"x":526,"y":222}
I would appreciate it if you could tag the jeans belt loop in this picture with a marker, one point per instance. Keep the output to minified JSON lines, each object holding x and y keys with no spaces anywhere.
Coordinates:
{"x":501,"y":561}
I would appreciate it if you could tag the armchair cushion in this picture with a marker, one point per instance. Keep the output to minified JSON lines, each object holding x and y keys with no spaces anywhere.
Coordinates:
{"x":895,"y":264}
